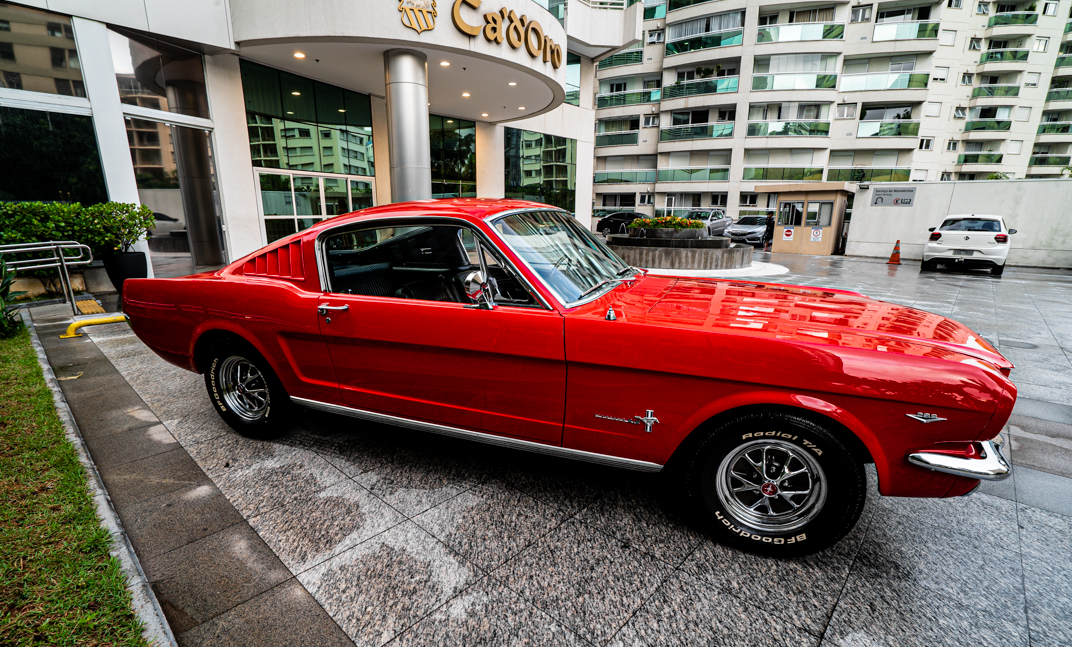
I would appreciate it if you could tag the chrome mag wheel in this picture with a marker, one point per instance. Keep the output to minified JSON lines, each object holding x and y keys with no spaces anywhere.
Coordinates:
{"x":244,"y":388}
{"x":771,"y":485}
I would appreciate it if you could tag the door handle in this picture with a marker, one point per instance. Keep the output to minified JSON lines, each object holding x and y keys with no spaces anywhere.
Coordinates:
{"x":323,"y":310}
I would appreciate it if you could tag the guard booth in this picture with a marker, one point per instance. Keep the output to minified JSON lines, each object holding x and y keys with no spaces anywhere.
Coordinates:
{"x":810,"y":217}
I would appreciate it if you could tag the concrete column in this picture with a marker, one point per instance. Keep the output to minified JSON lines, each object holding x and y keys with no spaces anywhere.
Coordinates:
{"x":98,"y":73}
{"x":407,"y":124}
{"x":490,"y":160}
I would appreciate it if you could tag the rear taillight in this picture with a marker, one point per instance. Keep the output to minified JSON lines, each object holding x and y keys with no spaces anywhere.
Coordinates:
{"x":1001,"y":238}
{"x":936,"y":235}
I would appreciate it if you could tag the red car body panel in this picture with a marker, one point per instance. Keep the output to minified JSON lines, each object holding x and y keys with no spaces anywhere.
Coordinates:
{"x":688,"y":349}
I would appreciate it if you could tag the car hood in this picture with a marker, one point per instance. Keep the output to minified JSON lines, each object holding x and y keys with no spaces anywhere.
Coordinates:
{"x":745,"y":229}
{"x":808,"y":315}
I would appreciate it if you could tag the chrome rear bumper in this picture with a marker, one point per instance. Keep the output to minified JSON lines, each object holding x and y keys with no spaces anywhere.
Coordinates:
{"x":991,"y":465}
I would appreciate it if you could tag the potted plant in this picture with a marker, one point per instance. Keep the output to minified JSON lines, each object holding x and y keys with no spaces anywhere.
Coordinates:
{"x":121,"y":225}
{"x":666,"y":227}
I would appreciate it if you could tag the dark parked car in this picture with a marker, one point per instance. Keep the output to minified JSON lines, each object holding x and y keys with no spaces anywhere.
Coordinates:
{"x":616,"y":222}
{"x":716,"y":220}
{"x":748,"y":229}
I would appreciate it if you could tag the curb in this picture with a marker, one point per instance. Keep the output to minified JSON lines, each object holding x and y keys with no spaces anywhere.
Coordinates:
{"x":144,"y":602}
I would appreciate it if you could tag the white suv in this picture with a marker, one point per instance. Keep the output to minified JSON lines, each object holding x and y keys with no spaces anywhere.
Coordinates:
{"x":969,"y":240}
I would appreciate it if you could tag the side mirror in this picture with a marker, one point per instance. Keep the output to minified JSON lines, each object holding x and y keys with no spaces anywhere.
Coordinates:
{"x":1012,"y":231}
{"x":931,"y":228}
{"x":476,"y":288}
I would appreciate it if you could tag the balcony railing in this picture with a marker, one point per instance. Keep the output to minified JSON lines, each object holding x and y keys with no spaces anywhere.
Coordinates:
{"x":632,"y":98}
{"x":1001,"y":90}
{"x":867,"y":174}
{"x":695,"y":174}
{"x":1050,"y":160}
{"x":645,"y":176}
{"x":885,"y":81}
{"x":674,"y":5}
{"x":888,"y":129}
{"x":1064,"y":60}
{"x":705,"y":131}
{"x":1055,"y":128}
{"x":905,"y":31}
{"x":789,"y":129}
{"x":1060,"y":94}
{"x":976,"y":125}
{"x":1013,"y":18}
{"x":1003,"y":56}
{"x":979,"y":158}
{"x":706,"y":86}
{"x":776,"y":173}
{"x":801,"y":31}
{"x":705,"y":41}
{"x":794,"y":81}
{"x":627,"y":57}
{"x":626,"y":138}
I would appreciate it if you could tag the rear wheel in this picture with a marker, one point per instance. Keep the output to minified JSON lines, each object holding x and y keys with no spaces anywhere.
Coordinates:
{"x":605,"y":231}
{"x":776,"y":484}
{"x":245,"y":391}
{"x":928,"y":266}
{"x":997,"y":270}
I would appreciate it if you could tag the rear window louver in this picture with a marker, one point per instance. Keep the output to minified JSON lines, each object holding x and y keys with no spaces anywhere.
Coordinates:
{"x":283,"y":262}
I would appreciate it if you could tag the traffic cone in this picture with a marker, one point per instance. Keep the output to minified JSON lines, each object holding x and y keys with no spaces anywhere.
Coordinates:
{"x":895,"y":257}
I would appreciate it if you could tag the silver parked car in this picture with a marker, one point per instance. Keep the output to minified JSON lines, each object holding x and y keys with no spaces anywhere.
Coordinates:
{"x":748,"y":229}
{"x":715,"y":219}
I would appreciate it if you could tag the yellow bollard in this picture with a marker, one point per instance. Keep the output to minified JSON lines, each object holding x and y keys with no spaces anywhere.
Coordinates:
{"x":72,"y":330}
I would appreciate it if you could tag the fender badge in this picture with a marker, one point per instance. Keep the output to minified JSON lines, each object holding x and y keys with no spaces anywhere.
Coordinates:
{"x":924,"y":417}
{"x":648,"y":419}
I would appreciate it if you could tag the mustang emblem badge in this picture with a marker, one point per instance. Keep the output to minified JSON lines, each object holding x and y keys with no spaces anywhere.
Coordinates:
{"x":924,"y":417}
{"x":648,"y":419}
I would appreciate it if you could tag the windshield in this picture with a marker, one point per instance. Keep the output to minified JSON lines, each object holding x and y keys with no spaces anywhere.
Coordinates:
{"x":970,"y":224}
{"x":697,"y":215}
{"x":752,"y":220}
{"x":567,"y":257}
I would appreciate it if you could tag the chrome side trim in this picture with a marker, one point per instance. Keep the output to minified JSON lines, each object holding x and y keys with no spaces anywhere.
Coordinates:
{"x":501,"y":441}
{"x":992,"y":466}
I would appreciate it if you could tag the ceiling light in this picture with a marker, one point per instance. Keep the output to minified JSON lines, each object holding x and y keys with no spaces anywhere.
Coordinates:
{"x":299,"y":55}
{"x":465,"y":94}
{"x":297,"y":94}
{"x":483,"y":114}
{"x":341,"y":110}
{"x":513,"y":83}
{"x":289,"y":112}
{"x":445,"y":63}
{"x":521,"y":108}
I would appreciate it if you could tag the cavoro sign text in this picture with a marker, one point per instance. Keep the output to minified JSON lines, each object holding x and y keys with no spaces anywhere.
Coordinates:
{"x":516,"y":30}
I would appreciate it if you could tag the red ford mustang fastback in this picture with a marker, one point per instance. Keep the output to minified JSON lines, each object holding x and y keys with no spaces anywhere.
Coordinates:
{"x":509,"y":323}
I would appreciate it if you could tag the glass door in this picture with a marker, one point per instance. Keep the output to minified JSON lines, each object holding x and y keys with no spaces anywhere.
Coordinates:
{"x":290,"y":202}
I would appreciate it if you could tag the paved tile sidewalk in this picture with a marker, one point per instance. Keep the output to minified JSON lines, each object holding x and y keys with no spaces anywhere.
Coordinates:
{"x":413,"y":539}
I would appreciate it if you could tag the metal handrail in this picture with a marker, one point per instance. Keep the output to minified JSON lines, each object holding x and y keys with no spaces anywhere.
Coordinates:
{"x":55,"y":258}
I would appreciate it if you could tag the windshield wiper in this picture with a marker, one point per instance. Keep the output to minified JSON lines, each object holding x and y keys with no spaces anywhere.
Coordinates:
{"x":627,"y":268}
{"x":601,"y":284}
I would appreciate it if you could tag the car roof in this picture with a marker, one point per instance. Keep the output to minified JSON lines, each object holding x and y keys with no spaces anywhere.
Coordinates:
{"x":982,"y":216}
{"x":470,"y":209}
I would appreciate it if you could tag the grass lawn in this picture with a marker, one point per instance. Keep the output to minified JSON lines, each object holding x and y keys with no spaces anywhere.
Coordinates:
{"x":58,"y":584}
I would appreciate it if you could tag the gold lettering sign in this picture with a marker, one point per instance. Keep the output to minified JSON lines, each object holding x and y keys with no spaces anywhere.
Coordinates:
{"x":418,"y":15}
{"x":505,"y":25}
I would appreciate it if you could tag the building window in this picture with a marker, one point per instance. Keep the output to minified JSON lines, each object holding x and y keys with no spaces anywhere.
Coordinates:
{"x":554,"y":160}
{"x":647,"y":199}
{"x":933,"y":109}
{"x":947,"y":37}
{"x":768,"y":19}
{"x":655,"y":36}
{"x":1031,"y":79}
{"x":44,"y":64}
{"x":1015,"y":146}
{"x":617,"y":200}
{"x":1042,"y":44}
{"x":651,"y":121}
{"x":952,"y":145}
{"x":960,"y":112}
{"x":1049,"y":9}
{"x":975,"y":44}
{"x":939,"y":74}
{"x":573,"y":79}
{"x":860,"y":14}
{"x":653,"y":84}
{"x":983,"y":8}
{"x":7,"y":52}
{"x":966,"y":79}
{"x":5,"y":25}
{"x":748,"y":200}
{"x":617,"y":86}
{"x":947,"y":176}
{"x":926,"y":143}
{"x":846,"y":111}
{"x":720,"y":199}
{"x":954,"y":4}
{"x":967,"y":177}
{"x":919,"y":175}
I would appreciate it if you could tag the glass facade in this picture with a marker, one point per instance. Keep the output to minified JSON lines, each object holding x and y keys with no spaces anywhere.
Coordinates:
{"x":49,"y":156}
{"x":292,"y":202}
{"x":158,"y":75}
{"x":453,"y":144}
{"x":38,"y":53}
{"x":301,"y":124}
{"x":541,"y":168}
{"x":573,"y":79}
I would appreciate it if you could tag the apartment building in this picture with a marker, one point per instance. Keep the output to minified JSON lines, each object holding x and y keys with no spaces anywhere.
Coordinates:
{"x":724,"y":98}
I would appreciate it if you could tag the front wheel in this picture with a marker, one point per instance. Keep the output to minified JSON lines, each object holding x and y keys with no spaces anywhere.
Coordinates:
{"x":246,"y":392}
{"x":605,"y":232}
{"x":776,"y":484}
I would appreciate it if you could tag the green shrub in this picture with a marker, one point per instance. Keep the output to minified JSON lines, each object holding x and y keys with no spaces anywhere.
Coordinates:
{"x":666,"y":222}
{"x":10,"y":323}
{"x":107,"y":227}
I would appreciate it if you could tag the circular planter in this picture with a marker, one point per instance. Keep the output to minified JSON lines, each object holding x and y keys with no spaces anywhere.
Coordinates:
{"x":675,"y":234}
{"x":125,"y":265}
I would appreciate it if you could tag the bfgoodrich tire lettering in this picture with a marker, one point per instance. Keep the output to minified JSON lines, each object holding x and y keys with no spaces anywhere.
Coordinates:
{"x":775,"y":483}
{"x":245,"y":392}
